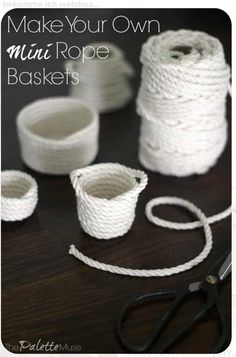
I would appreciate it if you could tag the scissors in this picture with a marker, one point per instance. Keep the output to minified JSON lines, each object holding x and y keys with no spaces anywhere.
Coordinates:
{"x":207,"y":287}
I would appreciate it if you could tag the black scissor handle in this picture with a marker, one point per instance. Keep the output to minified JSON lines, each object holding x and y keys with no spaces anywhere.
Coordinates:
{"x":144,"y":298}
{"x":210,"y":295}
{"x":220,"y":344}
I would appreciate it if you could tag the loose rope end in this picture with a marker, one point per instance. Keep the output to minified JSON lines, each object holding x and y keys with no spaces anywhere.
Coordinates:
{"x":71,"y":250}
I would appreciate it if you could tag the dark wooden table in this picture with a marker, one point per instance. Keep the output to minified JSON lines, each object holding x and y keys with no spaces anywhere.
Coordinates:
{"x":49,"y":295}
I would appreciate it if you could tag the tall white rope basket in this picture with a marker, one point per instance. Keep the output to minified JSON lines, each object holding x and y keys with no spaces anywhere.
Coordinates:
{"x":104,"y":83}
{"x":58,"y":135}
{"x":185,"y":81}
{"x":106,"y":198}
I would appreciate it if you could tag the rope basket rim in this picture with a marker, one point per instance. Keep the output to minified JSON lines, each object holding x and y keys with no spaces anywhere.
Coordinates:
{"x":68,"y":140}
{"x":131,"y":173}
{"x":116,"y":53}
{"x":189,"y":36}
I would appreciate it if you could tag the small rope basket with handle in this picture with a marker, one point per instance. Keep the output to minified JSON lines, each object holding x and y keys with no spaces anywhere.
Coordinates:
{"x":106,"y":198}
{"x":58,"y":135}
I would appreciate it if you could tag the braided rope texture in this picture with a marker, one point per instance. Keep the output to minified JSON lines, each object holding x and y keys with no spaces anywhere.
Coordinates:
{"x":19,"y":195}
{"x":181,"y":100}
{"x":107,"y":195}
{"x":104,"y":83}
{"x":146,"y":273}
{"x":57,"y":135}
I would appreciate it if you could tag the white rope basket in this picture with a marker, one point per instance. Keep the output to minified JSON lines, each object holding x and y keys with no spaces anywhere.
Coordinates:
{"x":104,"y":83}
{"x":106,"y":198}
{"x":185,"y":81}
{"x":58,"y":135}
{"x":19,"y":195}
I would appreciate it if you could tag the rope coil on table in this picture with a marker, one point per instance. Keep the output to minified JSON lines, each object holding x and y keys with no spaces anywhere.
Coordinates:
{"x":104,"y":83}
{"x":182,"y":96}
{"x":19,"y":195}
{"x":146,"y":273}
{"x":176,"y":225}
{"x":106,"y":198}
{"x":58,"y":135}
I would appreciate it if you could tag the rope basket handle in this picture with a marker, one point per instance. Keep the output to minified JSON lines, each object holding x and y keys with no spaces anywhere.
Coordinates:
{"x":136,"y":174}
{"x":142,"y":177}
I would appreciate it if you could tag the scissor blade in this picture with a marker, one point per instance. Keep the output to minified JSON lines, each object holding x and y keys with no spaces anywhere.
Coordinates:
{"x":222,"y":267}
{"x":225,"y":269}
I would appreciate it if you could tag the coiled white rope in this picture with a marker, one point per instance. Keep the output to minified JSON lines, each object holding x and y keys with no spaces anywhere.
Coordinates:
{"x":19,"y":195}
{"x":104,"y":83}
{"x":203,"y":222}
{"x":58,"y":135}
{"x":185,"y":81}
{"x":106,"y":198}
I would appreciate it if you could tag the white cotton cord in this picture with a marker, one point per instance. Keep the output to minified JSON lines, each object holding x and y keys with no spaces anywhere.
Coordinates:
{"x":58,"y":135}
{"x":181,"y":100}
{"x":107,"y":195}
{"x":203,"y":222}
{"x":19,"y":195}
{"x":104,"y":83}
{"x":175,"y":201}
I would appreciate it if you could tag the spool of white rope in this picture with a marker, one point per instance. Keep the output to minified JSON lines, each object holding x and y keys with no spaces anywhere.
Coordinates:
{"x":104,"y":83}
{"x":107,"y":195}
{"x":146,"y":273}
{"x":58,"y":135}
{"x":181,"y":100}
{"x":19,"y":195}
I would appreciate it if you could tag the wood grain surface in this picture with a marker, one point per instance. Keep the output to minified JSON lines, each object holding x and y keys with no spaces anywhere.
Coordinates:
{"x":49,"y":295}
